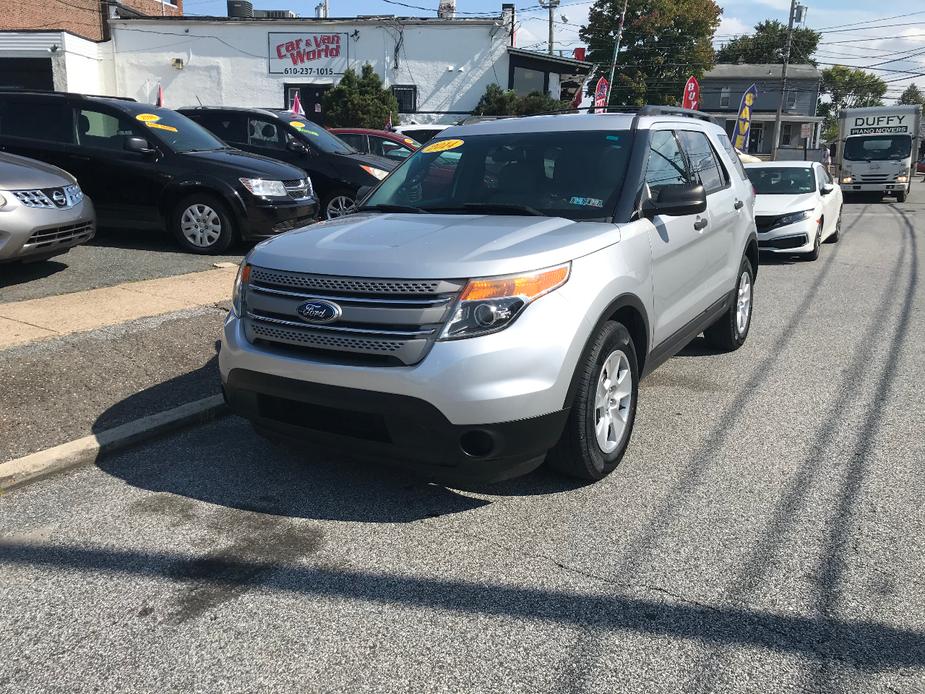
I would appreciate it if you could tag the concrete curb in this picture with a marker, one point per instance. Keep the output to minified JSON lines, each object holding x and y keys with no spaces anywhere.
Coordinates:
{"x":90,"y":448}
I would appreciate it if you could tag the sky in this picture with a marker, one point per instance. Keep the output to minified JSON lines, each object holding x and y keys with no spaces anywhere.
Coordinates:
{"x":892,"y":36}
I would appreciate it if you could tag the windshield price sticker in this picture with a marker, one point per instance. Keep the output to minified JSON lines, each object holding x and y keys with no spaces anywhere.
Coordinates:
{"x":586,"y":202}
{"x":297,"y":124}
{"x":161,"y":126}
{"x":147,"y":118}
{"x":442,"y":146}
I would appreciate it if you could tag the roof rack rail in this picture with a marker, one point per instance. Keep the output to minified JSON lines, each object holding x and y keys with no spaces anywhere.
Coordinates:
{"x":675,"y":111}
{"x":20,"y":90}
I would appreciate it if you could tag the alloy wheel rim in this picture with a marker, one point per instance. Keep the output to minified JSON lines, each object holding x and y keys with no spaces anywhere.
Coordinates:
{"x":743,"y":303}
{"x":339,"y":206}
{"x":201,"y":225}
{"x":612,"y":400}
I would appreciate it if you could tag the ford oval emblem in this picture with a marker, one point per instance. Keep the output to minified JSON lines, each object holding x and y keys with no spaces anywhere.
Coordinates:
{"x":319,"y":311}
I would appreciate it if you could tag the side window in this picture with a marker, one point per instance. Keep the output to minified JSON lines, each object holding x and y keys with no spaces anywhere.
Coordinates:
{"x":388,"y":149}
{"x":355,"y":140}
{"x":666,"y":165}
{"x":263,"y":133}
{"x":228,"y":127}
{"x":733,"y":157}
{"x":704,"y":167}
{"x":44,"y":121}
{"x":102,"y":130}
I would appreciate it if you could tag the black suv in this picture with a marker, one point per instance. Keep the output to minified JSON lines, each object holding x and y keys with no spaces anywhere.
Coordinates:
{"x":149,"y":167}
{"x":337,"y":169}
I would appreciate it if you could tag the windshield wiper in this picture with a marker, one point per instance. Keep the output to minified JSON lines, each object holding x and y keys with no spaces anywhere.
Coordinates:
{"x":494,"y":208}
{"x":393,"y":208}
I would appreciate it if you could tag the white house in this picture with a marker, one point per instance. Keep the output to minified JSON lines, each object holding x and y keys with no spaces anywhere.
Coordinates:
{"x":437,"y":67}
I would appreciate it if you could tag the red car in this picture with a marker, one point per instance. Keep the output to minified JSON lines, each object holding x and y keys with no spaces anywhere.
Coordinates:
{"x":383,"y":143}
{"x":920,"y":167}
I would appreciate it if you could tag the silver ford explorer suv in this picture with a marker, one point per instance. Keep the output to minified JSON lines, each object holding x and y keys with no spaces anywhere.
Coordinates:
{"x":43,"y":212}
{"x":495,"y":300}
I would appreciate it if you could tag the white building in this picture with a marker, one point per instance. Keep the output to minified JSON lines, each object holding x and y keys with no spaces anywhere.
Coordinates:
{"x":437,"y":67}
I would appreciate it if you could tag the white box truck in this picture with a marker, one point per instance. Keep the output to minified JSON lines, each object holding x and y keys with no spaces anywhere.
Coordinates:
{"x":878,"y":148}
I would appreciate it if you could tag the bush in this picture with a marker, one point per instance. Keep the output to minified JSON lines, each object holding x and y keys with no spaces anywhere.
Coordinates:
{"x":498,"y":102}
{"x":359,"y":101}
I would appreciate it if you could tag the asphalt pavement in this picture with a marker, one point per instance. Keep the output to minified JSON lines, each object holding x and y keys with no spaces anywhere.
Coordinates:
{"x":764,"y":533}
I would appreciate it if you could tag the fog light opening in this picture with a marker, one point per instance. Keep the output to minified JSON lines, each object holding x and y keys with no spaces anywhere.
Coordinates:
{"x":477,"y":443}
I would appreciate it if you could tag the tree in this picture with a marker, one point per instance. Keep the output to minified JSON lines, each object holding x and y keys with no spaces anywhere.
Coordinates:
{"x":912,"y":95}
{"x":498,"y":102}
{"x":359,"y":101}
{"x":664,"y":42}
{"x":767,"y":45}
{"x":847,"y":87}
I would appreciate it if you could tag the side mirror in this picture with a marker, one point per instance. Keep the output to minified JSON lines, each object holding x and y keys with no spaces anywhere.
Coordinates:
{"x":296,"y":146}
{"x":363,"y":192}
{"x":677,"y":201}
{"x":826,"y":188}
{"x":137,"y":144}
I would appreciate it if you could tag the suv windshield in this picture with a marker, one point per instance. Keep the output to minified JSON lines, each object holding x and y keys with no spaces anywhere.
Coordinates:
{"x":317,"y":136}
{"x":878,"y":147}
{"x":577,"y":175}
{"x":178,"y":132}
{"x":781,"y":180}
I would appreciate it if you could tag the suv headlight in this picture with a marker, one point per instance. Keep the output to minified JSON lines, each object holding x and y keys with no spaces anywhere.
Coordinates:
{"x":491,"y":304}
{"x":264,"y":188}
{"x":373,"y":171}
{"x":902,"y":177}
{"x":239,"y":287}
{"x":847,"y":178}
{"x":793,"y":218}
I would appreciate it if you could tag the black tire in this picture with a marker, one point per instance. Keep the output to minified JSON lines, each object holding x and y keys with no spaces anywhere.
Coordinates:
{"x":330,"y":202}
{"x":817,"y":242}
{"x":578,"y":453}
{"x":836,"y":235}
{"x":725,"y":334}
{"x":208,"y":207}
{"x":901,"y":197}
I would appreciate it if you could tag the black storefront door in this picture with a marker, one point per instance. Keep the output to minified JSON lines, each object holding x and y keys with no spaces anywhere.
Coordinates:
{"x":310,"y":96}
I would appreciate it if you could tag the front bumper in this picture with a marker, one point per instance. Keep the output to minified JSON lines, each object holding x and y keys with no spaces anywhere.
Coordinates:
{"x":405,"y":430}
{"x":29,"y":233}
{"x":793,"y":238}
{"x":885,"y":187}
{"x":266,"y":219}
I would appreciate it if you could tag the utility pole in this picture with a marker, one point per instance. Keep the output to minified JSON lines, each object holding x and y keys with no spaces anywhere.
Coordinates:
{"x":783,"y":79}
{"x":616,"y":50}
{"x":551,"y":5}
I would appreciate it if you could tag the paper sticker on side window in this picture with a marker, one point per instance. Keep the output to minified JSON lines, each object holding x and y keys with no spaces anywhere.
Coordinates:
{"x":586,"y":202}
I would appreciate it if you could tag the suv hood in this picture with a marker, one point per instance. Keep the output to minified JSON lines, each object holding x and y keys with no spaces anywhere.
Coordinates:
{"x":766,"y":205}
{"x":17,"y":173}
{"x":371,"y":160}
{"x":432,"y":246}
{"x":246,"y":164}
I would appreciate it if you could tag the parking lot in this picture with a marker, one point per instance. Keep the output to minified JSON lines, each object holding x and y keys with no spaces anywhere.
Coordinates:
{"x":764,"y":532}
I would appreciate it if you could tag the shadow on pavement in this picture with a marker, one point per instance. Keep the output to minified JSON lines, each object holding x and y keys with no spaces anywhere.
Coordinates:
{"x":150,"y":240}
{"x":19,"y":273}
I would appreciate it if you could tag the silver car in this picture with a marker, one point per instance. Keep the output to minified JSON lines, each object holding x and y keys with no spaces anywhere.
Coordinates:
{"x":43,"y":212}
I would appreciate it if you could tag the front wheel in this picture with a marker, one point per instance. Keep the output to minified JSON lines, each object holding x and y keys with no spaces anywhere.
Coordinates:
{"x":817,"y":241}
{"x":602,"y":414}
{"x":729,"y":332}
{"x":203,"y":224}
{"x":901,"y":197}
{"x":835,"y":235}
{"x":338,"y":204}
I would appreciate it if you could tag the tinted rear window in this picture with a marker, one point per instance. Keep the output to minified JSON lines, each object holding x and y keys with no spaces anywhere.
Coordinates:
{"x":44,"y":121}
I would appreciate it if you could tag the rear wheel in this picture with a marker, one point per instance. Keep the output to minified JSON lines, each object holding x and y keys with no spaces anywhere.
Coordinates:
{"x":602,"y":414}
{"x":203,"y":224}
{"x":730,"y":331}
{"x":338,"y":204}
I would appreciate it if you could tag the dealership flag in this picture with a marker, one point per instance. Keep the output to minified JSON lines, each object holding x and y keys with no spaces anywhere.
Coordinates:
{"x":691,"y":97}
{"x":744,"y":119}
{"x":160,"y":96}
{"x":600,"y":94}
{"x":296,"y":107}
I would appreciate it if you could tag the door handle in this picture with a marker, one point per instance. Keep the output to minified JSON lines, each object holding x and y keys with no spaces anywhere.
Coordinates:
{"x":739,"y":204}
{"x":700,"y":224}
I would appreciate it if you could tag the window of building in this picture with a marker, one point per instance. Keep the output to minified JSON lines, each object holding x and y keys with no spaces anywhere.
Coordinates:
{"x":724,"y":97}
{"x":791,"y":99}
{"x":786,"y":133}
{"x":526,"y":81}
{"x":407,"y":96}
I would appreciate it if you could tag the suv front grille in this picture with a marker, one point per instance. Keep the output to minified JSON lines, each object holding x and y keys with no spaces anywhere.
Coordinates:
{"x":299,"y":189}
{"x":386,"y":318}
{"x":50,"y":198}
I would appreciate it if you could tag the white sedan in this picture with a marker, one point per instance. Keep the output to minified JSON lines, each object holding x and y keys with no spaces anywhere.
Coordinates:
{"x":798,"y":206}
